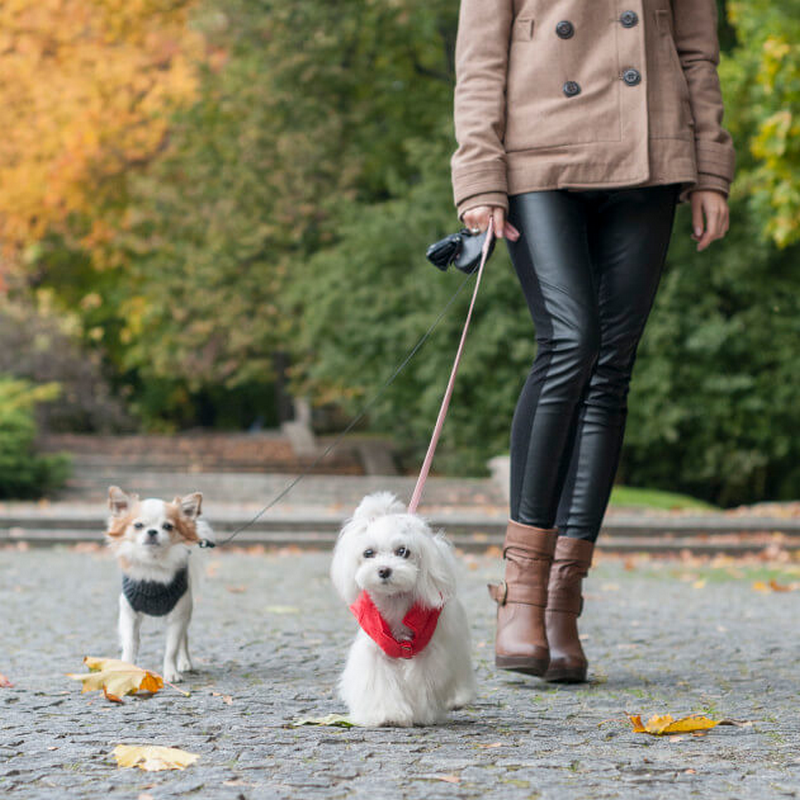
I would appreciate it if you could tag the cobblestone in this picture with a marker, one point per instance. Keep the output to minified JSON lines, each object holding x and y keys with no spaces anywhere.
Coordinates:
{"x":269,"y":633}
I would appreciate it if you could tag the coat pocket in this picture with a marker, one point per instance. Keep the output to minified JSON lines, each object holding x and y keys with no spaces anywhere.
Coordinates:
{"x":522,"y":30}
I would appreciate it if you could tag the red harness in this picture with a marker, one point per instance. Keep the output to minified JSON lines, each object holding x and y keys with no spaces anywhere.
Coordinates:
{"x":420,"y":620}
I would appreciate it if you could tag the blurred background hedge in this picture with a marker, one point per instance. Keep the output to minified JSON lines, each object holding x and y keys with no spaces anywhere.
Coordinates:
{"x":251,"y":214}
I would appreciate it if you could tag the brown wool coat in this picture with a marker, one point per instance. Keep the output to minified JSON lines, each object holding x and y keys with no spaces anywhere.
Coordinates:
{"x":587,"y":94}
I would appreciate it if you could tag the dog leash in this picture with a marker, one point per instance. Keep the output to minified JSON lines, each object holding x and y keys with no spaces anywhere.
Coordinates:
{"x":437,"y":429}
{"x":207,"y":543}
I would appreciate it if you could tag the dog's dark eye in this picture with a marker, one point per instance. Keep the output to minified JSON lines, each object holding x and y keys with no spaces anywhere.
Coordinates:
{"x":402,"y":552}
{"x":369,"y":554}
{"x":167,"y":526}
{"x":138,"y":525}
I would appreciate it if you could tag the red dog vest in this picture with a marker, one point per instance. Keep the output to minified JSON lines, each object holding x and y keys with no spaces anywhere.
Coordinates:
{"x":420,"y":620}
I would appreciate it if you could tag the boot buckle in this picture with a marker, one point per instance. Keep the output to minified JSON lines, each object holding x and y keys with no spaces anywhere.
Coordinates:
{"x":499,"y":592}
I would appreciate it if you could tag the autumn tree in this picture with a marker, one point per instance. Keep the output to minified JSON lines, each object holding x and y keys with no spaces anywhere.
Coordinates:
{"x":86,"y":88}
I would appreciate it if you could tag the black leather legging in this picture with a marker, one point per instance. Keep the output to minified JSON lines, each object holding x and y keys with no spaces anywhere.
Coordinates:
{"x":589,"y":264}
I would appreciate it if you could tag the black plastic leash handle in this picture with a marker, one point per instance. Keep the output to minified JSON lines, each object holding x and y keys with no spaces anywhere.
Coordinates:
{"x":207,"y":543}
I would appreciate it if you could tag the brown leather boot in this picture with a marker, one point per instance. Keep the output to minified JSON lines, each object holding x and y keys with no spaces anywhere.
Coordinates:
{"x":521,"y":642}
{"x":571,"y":562}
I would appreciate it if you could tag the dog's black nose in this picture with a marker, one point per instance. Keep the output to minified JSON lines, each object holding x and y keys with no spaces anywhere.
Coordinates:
{"x":384,"y":573}
{"x":152,"y":533}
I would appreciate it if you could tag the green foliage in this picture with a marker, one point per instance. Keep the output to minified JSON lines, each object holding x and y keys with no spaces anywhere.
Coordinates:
{"x":713,"y":406}
{"x":762,"y":81}
{"x":370,"y":298}
{"x":23,"y":473}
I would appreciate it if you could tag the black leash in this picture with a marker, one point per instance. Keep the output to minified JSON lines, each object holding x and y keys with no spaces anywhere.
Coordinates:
{"x":361,"y":414}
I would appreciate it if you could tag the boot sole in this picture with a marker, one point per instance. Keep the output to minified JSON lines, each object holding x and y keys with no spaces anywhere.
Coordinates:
{"x":527,"y":666}
{"x":565,"y":676}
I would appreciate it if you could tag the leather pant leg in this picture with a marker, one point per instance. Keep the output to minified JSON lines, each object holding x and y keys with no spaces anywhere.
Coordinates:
{"x":589,"y":264}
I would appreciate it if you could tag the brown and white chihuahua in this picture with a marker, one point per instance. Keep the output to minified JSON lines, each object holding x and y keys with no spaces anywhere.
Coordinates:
{"x":152,"y":540}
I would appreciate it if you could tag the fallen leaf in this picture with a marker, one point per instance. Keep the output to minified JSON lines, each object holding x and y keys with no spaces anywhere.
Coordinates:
{"x":5,"y":683}
{"x":699,"y":584}
{"x":152,"y":758}
{"x":690,"y":772}
{"x":760,"y":586}
{"x":116,"y":678}
{"x":236,"y":589}
{"x":226,"y":698}
{"x":779,"y":587}
{"x":664,"y":725}
{"x":331,"y":720}
{"x":448,"y":778}
{"x":489,"y":746}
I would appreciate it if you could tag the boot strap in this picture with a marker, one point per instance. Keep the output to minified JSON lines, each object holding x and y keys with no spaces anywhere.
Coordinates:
{"x":565,"y":602}
{"x":503,"y":593}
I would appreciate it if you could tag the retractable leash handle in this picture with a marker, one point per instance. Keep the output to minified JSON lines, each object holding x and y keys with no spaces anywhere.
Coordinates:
{"x":437,"y":430}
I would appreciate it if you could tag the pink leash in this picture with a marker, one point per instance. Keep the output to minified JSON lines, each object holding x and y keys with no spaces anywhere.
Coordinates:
{"x":437,"y":430}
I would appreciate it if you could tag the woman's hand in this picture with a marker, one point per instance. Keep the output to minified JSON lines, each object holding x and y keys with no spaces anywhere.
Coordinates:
{"x":478,"y":217}
{"x":710,"y":217}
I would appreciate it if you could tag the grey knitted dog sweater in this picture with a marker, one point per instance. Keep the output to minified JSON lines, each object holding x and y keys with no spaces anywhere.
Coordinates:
{"x":154,"y":598}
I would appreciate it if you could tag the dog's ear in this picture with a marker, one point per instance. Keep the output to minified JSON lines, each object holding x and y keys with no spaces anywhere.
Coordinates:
{"x":119,"y":502}
{"x":437,"y":565}
{"x":190,"y":504}
{"x":378,"y":504}
{"x":343,"y":564}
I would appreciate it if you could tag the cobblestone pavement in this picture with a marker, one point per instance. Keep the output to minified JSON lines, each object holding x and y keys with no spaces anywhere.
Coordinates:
{"x":269,"y":640}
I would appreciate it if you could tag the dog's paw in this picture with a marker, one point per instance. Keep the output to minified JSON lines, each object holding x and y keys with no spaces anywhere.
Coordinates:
{"x":172,"y":675}
{"x":185,"y":664}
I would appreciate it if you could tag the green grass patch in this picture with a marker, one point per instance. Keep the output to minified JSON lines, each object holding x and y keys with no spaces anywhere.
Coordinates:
{"x":628,"y":496}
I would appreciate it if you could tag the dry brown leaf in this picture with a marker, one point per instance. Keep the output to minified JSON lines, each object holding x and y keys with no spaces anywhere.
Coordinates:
{"x":152,"y":758}
{"x":236,"y":589}
{"x":116,"y":678}
{"x":448,"y":778}
{"x":665,"y":724}
{"x":779,"y":587}
{"x":5,"y":683}
{"x":489,"y":746}
{"x":226,"y":698}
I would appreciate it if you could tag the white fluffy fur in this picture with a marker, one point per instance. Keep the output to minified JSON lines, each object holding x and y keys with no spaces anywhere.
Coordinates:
{"x":143,"y":559}
{"x":380,"y":690}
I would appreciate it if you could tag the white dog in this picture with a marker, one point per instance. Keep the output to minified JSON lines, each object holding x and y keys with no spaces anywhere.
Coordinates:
{"x":410,"y":662}
{"x":151,"y":540}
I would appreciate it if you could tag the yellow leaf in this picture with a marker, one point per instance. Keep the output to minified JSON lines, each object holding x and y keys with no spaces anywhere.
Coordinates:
{"x":152,"y":758}
{"x":760,"y":586}
{"x":665,"y":724}
{"x":117,"y":678}
{"x":636,"y":722}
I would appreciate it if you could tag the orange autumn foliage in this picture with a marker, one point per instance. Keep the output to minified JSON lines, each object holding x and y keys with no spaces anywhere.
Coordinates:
{"x":85,"y":90}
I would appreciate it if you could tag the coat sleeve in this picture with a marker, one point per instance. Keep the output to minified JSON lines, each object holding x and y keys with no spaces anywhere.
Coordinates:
{"x":698,"y":49}
{"x":478,"y":165}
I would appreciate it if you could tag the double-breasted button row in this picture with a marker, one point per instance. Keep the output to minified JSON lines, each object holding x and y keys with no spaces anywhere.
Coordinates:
{"x":566,"y":30}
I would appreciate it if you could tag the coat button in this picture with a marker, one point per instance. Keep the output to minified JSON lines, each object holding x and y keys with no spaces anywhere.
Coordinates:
{"x":632,"y":76}
{"x":571,"y":88}
{"x":629,"y":19}
{"x":565,"y":29}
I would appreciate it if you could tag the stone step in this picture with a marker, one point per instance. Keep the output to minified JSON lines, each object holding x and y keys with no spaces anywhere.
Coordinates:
{"x":471,"y":541}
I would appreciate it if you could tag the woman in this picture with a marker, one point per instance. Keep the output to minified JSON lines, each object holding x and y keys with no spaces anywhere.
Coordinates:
{"x":580,"y":125}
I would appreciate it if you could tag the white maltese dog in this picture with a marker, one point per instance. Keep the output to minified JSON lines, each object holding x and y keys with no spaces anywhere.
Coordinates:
{"x":410,"y":662}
